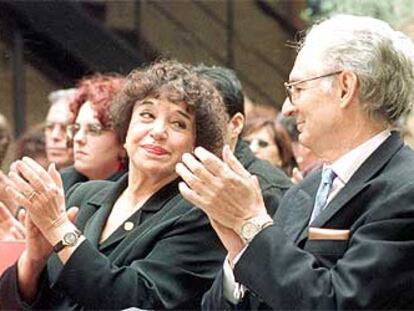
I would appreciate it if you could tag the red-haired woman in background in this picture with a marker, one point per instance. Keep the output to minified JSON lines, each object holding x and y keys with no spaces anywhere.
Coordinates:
{"x":270,"y":141}
{"x":98,"y":151}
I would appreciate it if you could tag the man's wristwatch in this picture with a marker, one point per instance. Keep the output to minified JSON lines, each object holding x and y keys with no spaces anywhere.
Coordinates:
{"x":69,"y":239}
{"x":253,"y":226}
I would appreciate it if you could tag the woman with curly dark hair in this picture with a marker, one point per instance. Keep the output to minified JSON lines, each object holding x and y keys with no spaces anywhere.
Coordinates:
{"x":136,"y":242}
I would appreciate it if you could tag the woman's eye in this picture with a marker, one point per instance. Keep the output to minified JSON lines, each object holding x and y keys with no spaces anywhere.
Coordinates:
{"x":262,"y":143}
{"x":146,"y":115}
{"x":95,"y":129}
{"x":179,"y":125}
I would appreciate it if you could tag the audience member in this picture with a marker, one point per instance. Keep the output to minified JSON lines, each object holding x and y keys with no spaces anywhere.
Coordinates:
{"x":348,"y":243}
{"x":136,"y":241}
{"x":5,"y":138}
{"x":10,"y":228}
{"x":307,"y":161}
{"x":254,"y":110}
{"x":57,"y":119}
{"x":270,"y":141}
{"x":272,"y":181}
{"x":98,"y":151}
{"x":32,"y":144}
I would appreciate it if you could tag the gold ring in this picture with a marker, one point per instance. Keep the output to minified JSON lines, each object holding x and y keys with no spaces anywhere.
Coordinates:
{"x":32,"y":196}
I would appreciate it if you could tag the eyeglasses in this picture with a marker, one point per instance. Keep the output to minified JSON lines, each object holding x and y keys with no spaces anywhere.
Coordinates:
{"x":291,"y":92}
{"x":260,"y":142}
{"x":50,"y":126}
{"x":90,"y":129}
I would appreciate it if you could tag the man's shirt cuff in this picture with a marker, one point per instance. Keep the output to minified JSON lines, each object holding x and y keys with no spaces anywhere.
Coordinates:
{"x":233,"y":291}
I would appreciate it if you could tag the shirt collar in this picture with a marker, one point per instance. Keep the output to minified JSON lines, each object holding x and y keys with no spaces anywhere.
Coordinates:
{"x":347,"y":165}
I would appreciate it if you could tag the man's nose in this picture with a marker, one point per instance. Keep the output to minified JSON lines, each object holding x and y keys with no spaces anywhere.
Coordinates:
{"x":288,"y":109}
{"x":58,"y":132}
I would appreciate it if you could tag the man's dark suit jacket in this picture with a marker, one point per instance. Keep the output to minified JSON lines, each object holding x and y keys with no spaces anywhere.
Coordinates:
{"x":168,"y":260}
{"x":273,"y":181}
{"x":373,"y":269}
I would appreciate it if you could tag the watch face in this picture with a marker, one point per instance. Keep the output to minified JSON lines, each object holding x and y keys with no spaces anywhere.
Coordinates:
{"x":70,"y":239}
{"x":249,"y":230}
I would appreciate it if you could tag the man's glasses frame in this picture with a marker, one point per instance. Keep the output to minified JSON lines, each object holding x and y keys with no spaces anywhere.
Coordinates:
{"x":289,"y":86}
{"x":50,"y":126}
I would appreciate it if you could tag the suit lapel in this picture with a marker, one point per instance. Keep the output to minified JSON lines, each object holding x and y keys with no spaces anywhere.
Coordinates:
{"x":145,"y":229}
{"x":150,"y":208}
{"x":359,"y":180}
{"x":90,"y":221}
{"x":103,"y":204}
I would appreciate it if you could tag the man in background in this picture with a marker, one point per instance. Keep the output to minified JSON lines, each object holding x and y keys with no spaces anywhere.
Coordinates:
{"x":273,"y":182}
{"x":57,"y":119}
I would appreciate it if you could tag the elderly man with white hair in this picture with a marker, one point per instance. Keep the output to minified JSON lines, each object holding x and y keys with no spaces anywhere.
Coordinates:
{"x":58,"y":118}
{"x":343,"y":238}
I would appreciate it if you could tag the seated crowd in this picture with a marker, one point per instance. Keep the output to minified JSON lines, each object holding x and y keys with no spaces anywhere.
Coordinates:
{"x":154,"y":190}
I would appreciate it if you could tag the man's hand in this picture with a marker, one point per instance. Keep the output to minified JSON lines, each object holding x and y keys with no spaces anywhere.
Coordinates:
{"x":230,"y":239}
{"x":224,"y":190}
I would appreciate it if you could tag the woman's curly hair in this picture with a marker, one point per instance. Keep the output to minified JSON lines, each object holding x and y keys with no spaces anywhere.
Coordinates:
{"x":177,"y":83}
{"x":98,"y":89}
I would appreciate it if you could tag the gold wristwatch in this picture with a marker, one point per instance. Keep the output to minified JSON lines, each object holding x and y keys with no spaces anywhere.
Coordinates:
{"x":253,"y":226}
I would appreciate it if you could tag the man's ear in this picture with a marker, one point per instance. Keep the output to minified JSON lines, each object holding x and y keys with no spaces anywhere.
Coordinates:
{"x":236,"y":125}
{"x":348,"y":86}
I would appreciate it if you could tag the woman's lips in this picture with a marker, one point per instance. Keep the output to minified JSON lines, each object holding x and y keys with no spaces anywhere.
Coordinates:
{"x":153,"y":149}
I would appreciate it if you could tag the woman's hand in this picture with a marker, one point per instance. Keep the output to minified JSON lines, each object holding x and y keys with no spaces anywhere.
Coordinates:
{"x":35,"y":256}
{"x":41,"y":193}
{"x":5,"y":196}
{"x":10,"y":228}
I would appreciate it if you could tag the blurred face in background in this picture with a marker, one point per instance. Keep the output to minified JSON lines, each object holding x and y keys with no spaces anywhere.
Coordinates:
{"x":58,"y":118}
{"x":263,"y":145}
{"x":97,"y":151}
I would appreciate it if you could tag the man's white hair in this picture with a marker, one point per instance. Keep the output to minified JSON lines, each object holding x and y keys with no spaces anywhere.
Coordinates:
{"x":381,"y":57}
{"x":64,"y":94}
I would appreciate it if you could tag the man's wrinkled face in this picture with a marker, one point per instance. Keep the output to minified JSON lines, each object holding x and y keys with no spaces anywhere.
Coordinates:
{"x":58,"y":118}
{"x":314,"y":105}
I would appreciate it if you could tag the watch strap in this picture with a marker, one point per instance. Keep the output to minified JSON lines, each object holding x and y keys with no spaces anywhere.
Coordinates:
{"x":64,"y":242}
